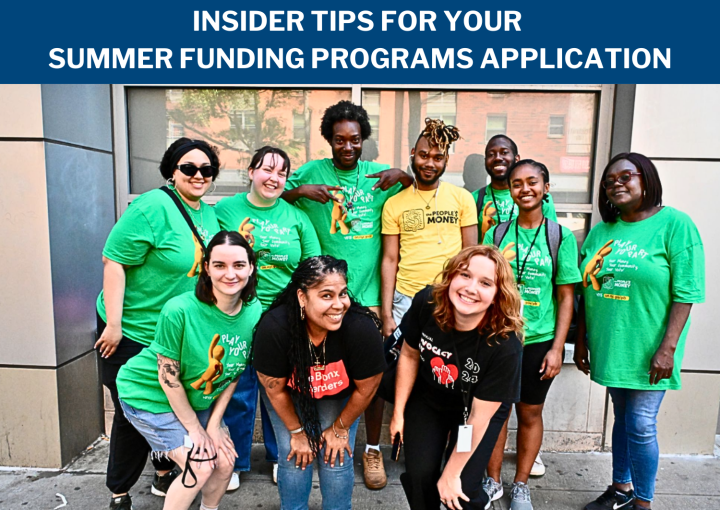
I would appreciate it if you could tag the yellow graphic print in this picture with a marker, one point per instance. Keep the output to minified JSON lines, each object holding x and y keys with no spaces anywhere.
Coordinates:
{"x":595,"y":264}
{"x":214,"y":369}
{"x":508,"y":252}
{"x":246,"y":229}
{"x":338,"y":216}
{"x":487,"y":219}
{"x":413,"y":220}
{"x":198,"y":259}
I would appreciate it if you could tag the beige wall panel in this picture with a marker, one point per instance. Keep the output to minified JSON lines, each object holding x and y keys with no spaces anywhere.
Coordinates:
{"x":29,"y":418}
{"x":691,"y":188}
{"x":21,"y":111}
{"x":27,"y":332}
{"x":688,"y":418}
{"x":677,"y":121}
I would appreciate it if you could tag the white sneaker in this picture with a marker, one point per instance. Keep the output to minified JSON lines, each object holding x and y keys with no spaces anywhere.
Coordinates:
{"x":538,"y":468}
{"x":275,"y":468}
{"x":234,"y":482}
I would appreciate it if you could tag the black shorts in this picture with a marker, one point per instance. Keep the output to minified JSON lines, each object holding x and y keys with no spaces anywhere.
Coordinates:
{"x":533,"y":391}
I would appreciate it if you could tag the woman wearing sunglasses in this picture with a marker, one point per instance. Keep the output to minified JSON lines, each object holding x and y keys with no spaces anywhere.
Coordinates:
{"x":643,"y":268}
{"x":151,"y":256}
{"x":282,"y":236}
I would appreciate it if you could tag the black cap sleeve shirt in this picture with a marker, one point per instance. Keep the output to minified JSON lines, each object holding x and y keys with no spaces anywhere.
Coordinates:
{"x":353,"y":352}
{"x":449,"y":358}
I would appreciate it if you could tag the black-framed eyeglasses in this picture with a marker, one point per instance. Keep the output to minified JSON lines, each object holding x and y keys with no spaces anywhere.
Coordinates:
{"x":623,"y":178}
{"x":190,"y":170}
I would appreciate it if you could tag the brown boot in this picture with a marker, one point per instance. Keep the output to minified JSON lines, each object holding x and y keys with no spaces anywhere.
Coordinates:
{"x":374,"y":470}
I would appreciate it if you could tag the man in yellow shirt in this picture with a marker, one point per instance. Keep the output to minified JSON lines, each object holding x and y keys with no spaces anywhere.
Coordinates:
{"x":424,"y":224}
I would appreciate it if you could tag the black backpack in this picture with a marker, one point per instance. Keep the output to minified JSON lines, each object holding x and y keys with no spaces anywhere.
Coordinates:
{"x":479,"y":202}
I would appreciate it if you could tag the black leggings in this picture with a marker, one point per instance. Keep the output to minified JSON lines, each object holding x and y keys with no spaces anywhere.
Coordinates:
{"x":426,"y":443}
{"x":128,"y":448}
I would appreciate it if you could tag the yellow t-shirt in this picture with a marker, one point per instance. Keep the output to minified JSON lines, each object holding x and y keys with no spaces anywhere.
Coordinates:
{"x":429,"y":230}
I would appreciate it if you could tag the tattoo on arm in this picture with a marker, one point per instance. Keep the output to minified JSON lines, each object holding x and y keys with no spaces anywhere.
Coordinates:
{"x":169,"y":371}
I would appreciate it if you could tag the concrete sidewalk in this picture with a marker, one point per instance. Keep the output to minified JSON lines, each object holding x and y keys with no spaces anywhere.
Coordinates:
{"x":571,"y":481}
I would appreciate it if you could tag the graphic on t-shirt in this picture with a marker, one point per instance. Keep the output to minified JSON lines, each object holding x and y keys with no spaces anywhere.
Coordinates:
{"x":338,"y":216}
{"x":413,"y":220}
{"x":246,"y":229}
{"x":195,"y":269}
{"x":508,"y":252}
{"x":326,"y":381}
{"x":445,"y":374}
{"x":595,"y":264}
{"x":469,"y":374}
{"x":214,"y":369}
{"x":488,"y":219}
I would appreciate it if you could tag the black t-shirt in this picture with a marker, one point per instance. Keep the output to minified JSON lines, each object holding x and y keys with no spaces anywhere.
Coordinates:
{"x":447,"y":359}
{"x":353,"y":352}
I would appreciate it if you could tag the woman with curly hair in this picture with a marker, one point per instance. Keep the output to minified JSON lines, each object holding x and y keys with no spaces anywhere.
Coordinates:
{"x":457,"y":374}
{"x":319,"y":357}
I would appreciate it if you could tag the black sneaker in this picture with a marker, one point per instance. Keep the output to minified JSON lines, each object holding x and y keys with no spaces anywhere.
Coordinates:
{"x":161,"y":484}
{"x":613,"y":499}
{"x":121,"y":503}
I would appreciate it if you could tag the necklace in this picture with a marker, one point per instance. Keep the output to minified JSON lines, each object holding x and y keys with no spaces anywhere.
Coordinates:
{"x":351,"y":202}
{"x":427,"y":202}
{"x":318,"y":364}
{"x":193,"y":212}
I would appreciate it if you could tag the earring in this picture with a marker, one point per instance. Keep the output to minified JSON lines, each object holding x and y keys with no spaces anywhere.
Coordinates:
{"x":170,"y":183}
{"x":302,"y":313}
{"x":214,"y":188}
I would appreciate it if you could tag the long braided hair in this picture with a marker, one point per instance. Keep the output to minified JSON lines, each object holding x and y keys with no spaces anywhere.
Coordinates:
{"x":309,"y":273}
{"x":440,"y":135}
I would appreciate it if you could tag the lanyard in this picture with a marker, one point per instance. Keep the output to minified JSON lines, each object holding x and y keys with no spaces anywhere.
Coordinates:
{"x":463,"y":388}
{"x":521,"y":269}
{"x":512,"y":209}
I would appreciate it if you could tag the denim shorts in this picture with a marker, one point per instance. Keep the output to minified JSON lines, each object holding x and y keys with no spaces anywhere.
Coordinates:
{"x":163,"y":431}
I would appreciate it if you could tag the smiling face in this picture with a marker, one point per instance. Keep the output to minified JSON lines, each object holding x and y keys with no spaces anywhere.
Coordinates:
{"x":346,"y":144}
{"x":629,"y":196}
{"x":499,"y":157}
{"x":428,"y":163}
{"x":268,"y":179}
{"x":325,"y":304}
{"x":228,"y":269}
{"x":527,"y":187}
{"x":473,"y":290}
{"x":192,"y":188}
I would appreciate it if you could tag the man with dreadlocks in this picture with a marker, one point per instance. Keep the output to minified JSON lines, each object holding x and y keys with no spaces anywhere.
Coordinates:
{"x":344,"y":197}
{"x":424,"y":225}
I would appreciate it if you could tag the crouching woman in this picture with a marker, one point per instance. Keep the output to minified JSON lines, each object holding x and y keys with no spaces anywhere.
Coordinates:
{"x":175,"y":391}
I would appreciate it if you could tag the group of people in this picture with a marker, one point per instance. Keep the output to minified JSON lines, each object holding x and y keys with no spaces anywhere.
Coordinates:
{"x":347,"y":283}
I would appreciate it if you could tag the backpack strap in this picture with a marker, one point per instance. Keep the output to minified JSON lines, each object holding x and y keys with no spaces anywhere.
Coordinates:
{"x":479,"y":202}
{"x":185,"y":215}
{"x":553,"y":236}
{"x":500,"y":232}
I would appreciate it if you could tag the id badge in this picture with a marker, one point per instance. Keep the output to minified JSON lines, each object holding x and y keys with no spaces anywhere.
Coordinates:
{"x":522,"y":307}
{"x":464,"y":440}
{"x":188,"y":442}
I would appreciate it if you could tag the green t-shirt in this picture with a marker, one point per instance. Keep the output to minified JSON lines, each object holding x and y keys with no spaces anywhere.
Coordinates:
{"x":153,"y":239}
{"x":356,"y":239}
{"x":536,"y":288}
{"x":646,"y":266}
{"x":211,"y":346}
{"x":282,"y":237}
{"x":505,"y":207}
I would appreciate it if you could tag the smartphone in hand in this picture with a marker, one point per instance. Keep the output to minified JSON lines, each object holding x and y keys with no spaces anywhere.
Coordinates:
{"x":397,"y":445}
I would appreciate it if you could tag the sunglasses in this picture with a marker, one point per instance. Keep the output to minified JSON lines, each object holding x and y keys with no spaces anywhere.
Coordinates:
{"x":190,"y":170}
{"x":623,"y":178}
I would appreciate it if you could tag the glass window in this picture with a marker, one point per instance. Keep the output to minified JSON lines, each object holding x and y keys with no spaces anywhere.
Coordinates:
{"x":556,"y":126}
{"x":237,"y":121}
{"x":495,"y":125}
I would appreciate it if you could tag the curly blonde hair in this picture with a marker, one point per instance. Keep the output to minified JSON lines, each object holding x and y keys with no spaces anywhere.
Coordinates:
{"x":440,"y":135}
{"x":503,"y":316}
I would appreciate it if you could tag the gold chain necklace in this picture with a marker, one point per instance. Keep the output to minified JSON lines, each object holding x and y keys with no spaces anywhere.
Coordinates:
{"x":318,"y":366}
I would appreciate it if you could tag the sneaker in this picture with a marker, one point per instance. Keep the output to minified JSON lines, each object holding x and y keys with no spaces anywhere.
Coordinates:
{"x":161,"y":484}
{"x":121,"y":503}
{"x":234,"y":482}
{"x":493,"y":489}
{"x":538,"y":468}
{"x":520,"y":497}
{"x":275,"y":468}
{"x":613,"y":499}
{"x":374,"y":470}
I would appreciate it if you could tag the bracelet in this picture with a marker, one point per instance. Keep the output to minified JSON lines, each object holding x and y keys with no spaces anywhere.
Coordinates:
{"x":342,"y":425}
{"x":298,"y":430}
{"x":336,"y":434}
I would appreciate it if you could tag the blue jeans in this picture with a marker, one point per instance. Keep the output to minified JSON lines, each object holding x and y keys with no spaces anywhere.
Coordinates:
{"x":634,"y":436}
{"x":294,"y":485}
{"x":240,"y":421}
